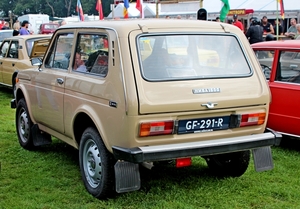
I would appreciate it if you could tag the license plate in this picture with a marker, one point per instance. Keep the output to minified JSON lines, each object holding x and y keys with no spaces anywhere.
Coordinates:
{"x":203,"y":125}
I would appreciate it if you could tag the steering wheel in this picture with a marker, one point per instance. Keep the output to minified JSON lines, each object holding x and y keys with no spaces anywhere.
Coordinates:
{"x":266,"y":70}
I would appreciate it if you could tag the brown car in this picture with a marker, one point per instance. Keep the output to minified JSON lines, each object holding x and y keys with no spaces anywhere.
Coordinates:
{"x":130,"y":93}
{"x":15,"y":55}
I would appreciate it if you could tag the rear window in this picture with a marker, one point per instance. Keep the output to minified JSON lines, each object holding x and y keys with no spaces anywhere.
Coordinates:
{"x":29,"y":45}
{"x":49,"y":27}
{"x":175,"y":57}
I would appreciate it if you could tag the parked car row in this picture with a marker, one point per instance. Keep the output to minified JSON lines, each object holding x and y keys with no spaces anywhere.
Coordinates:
{"x":130,"y":96}
{"x":15,"y":55}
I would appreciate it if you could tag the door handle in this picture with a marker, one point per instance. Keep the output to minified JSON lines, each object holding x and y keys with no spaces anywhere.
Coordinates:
{"x":60,"y":80}
{"x":293,"y":66}
{"x":13,"y":64}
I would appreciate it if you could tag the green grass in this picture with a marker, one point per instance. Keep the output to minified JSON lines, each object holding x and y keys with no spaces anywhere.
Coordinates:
{"x":50,"y":178}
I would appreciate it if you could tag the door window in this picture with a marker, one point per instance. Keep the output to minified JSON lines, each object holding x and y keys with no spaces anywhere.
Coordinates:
{"x":4,"y":49}
{"x":288,"y":69}
{"x":265,"y":59}
{"x":91,"y":54}
{"x":60,"y":52}
{"x":13,"y":50}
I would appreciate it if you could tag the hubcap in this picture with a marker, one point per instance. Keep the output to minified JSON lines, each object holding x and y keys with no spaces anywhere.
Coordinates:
{"x":23,"y":126}
{"x":92,"y":163}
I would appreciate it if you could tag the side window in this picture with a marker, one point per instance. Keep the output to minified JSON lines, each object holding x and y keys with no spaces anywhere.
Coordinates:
{"x":265,"y":59}
{"x":60,"y":52}
{"x":288,"y":67}
{"x":13,"y":50}
{"x":92,"y":54}
{"x":4,"y":49}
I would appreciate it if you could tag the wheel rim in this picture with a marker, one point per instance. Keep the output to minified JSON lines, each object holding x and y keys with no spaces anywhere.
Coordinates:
{"x":92,"y":163}
{"x":23,"y":125}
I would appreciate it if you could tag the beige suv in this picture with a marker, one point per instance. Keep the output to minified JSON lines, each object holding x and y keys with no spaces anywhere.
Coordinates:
{"x":135,"y":92}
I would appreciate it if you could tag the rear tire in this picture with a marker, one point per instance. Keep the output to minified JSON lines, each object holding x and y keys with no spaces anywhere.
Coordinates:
{"x":23,"y":125}
{"x":230,"y":164}
{"x":96,"y":165}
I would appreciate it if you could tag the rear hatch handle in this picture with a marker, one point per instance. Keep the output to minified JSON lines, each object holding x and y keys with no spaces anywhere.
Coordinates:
{"x":209,"y":105}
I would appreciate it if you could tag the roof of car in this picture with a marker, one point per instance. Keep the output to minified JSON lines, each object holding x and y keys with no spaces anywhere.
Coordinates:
{"x":125,"y":25}
{"x":282,"y":44}
{"x":24,"y":37}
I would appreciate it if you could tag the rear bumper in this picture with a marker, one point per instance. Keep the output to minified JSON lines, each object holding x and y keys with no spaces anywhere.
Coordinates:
{"x":201,"y":148}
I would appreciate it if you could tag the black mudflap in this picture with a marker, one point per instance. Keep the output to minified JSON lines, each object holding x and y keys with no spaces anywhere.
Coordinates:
{"x":127,"y":177}
{"x":40,"y":138}
{"x":263,"y":159}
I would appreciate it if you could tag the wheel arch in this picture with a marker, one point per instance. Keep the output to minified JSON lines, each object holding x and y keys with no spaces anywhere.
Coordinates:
{"x":13,"y":77}
{"x":83,"y":121}
{"x":20,"y":95}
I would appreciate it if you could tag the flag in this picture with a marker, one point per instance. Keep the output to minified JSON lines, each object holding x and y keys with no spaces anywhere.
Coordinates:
{"x":80,"y":11}
{"x":139,"y":6}
{"x":99,"y":9}
{"x":225,"y":9}
{"x":281,"y":8}
{"x":126,"y":6}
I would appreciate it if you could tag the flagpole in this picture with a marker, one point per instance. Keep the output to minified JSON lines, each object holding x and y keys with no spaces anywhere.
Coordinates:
{"x":113,"y":11}
{"x":277,"y":24}
{"x":142,"y":16}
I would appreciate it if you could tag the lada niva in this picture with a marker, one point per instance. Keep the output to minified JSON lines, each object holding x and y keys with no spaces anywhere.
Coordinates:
{"x":130,"y":93}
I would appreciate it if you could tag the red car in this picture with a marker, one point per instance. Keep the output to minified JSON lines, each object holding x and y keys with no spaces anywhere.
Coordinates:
{"x":280,"y":62}
{"x":48,"y":28}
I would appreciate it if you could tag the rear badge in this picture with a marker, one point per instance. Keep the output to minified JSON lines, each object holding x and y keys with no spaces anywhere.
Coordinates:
{"x":206,"y":90}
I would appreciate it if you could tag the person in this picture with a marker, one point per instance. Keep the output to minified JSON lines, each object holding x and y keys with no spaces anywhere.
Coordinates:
{"x":280,"y":30}
{"x":63,"y":22}
{"x":16,"y":28}
{"x":230,"y":21}
{"x":255,"y":32}
{"x":270,"y":37}
{"x":24,"y":28}
{"x":267,"y":27}
{"x":297,"y":36}
{"x":238,"y":23}
{"x":6,"y":26}
{"x":79,"y":64}
{"x":217,"y":19}
{"x":292,"y":31}
{"x":251,"y":20}
{"x":2,"y":24}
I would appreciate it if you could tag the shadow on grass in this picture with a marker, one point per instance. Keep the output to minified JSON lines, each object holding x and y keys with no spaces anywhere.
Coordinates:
{"x":6,"y":90}
{"x":61,"y":149}
{"x":290,"y":143}
{"x":164,"y":175}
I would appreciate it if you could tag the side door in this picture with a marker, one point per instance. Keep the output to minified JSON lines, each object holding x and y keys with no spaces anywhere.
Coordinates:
{"x":10,"y":63}
{"x":49,"y":83}
{"x":285,"y":87}
{"x":3,"y":51}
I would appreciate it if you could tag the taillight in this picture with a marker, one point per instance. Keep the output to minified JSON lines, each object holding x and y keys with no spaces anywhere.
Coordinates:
{"x":252,"y":119}
{"x":156,"y":128}
{"x":183,"y":162}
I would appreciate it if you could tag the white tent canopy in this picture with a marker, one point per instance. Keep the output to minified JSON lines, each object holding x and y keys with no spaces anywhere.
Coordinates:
{"x":213,"y":7}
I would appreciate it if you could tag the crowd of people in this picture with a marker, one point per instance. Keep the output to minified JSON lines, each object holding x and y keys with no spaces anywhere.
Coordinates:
{"x":261,"y":30}
{"x":20,"y":28}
